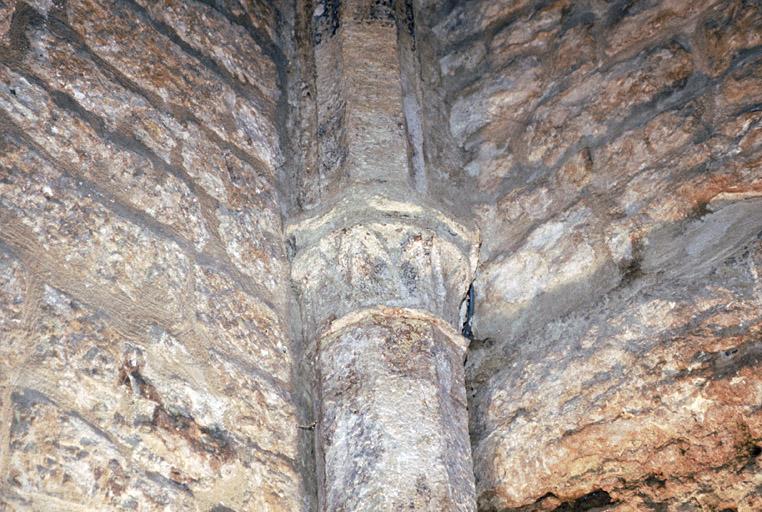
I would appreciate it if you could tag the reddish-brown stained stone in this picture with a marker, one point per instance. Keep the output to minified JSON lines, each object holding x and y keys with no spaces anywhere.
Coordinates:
{"x":239,"y":241}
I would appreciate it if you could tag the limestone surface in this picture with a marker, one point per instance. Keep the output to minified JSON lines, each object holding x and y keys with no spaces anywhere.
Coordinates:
{"x":381,"y":255}
{"x":145,"y":349}
{"x":612,"y":153}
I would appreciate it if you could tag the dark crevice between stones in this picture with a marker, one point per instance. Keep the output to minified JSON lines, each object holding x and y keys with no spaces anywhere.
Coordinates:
{"x":700,"y":211}
{"x":295,"y":34}
{"x":631,"y":270}
{"x":576,"y":15}
{"x":750,"y":451}
{"x":327,"y":20}
{"x":410,"y":21}
{"x":164,"y":481}
{"x":489,"y":32}
{"x":228,"y":7}
{"x":655,"y":481}
{"x":748,"y":109}
{"x":592,"y":501}
{"x":129,"y":375}
{"x":597,"y":500}
{"x":212,"y":442}
{"x":469,"y":300}
{"x":653,"y":506}
{"x":381,"y":10}
{"x":619,"y":10}
{"x":728,"y":362}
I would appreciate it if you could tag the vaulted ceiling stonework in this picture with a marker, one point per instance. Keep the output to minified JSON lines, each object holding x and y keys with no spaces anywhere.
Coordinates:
{"x":380,"y":255}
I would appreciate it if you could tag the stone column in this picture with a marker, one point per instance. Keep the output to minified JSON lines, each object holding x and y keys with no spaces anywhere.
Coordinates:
{"x":381,"y":282}
{"x":382,"y":272}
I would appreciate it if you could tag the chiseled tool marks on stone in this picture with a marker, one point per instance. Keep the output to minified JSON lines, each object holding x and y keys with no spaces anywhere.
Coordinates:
{"x":149,"y":224}
{"x":22,"y":294}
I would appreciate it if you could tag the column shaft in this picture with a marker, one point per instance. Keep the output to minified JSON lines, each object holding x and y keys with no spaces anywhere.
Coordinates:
{"x":381,"y":273}
{"x":393,"y":420}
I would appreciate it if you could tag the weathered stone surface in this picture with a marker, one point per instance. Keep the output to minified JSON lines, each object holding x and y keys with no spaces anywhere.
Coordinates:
{"x":381,"y":284}
{"x":198,"y":26}
{"x":370,"y":249}
{"x":655,"y":383}
{"x":146,"y":349}
{"x":178,"y":80}
{"x":239,"y":242}
{"x":393,"y":413}
{"x":381,"y":271}
{"x":614,"y":161}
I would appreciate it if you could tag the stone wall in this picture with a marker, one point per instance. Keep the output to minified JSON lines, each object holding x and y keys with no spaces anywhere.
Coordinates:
{"x":145,"y":345}
{"x":613,"y":155}
{"x":237,"y":239}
